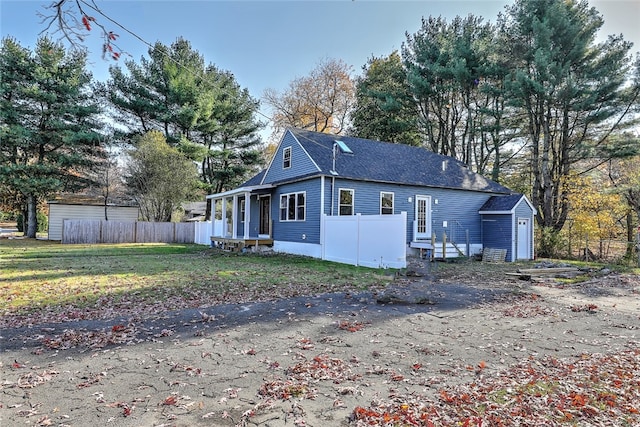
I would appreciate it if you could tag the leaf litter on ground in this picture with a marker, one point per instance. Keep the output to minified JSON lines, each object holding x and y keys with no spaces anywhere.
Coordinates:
{"x":593,"y":389}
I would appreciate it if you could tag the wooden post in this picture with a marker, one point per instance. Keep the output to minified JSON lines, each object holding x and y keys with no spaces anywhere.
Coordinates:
{"x":444,"y":245}
{"x":433,"y":246}
{"x":468,"y":243}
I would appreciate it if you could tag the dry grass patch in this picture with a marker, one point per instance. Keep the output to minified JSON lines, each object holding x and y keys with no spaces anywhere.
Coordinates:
{"x":67,"y":282}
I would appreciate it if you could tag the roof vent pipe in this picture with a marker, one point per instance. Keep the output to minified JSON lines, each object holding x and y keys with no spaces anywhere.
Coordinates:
{"x":333,"y":167}
{"x":444,"y":165}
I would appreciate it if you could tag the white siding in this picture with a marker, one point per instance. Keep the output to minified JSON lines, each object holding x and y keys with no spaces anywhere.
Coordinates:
{"x":59,"y":212}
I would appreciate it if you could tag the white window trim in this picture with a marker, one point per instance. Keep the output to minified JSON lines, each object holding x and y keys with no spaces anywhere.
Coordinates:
{"x":353,"y":200}
{"x":242,"y":208}
{"x":287,"y":196}
{"x":284,"y":150}
{"x":393,"y":202}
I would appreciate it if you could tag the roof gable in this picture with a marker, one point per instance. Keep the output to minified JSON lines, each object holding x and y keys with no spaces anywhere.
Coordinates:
{"x":387,"y":162}
{"x":504,"y":204}
{"x":300,"y":161}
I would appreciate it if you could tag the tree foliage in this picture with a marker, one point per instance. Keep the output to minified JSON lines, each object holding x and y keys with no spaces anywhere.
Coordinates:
{"x":200,"y":109}
{"x":596,"y":210}
{"x":447,"y":93}
{"x":457,"y":82}
{"x":48,"y":123}
{"x":159,"y":177}
{"x":571,"y":91}
{"x":321,"y":101}
{"x":384,"y":108}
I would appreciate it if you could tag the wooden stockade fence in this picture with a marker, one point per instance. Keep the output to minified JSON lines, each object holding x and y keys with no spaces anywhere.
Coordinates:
{"x":100,"y":231}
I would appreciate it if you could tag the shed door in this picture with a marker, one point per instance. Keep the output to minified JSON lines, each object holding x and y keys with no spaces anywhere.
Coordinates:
{"x":422,"y":227}
{"x":524,"y":239}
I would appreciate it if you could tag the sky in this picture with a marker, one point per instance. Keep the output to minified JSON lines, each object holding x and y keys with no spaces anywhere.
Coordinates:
{"x":267,"y":44}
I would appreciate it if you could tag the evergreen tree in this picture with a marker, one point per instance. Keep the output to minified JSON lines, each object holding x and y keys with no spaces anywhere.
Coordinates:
{"x":228,"y":131}
{"x":48,"y":123}
{"x":385,"y":109}
{"x":201,"y":110}
{"x":570,"y":90}
{"x":456,"y":81}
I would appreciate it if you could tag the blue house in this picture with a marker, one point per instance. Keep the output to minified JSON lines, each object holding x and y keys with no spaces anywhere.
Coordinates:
{"x":370,"y":203}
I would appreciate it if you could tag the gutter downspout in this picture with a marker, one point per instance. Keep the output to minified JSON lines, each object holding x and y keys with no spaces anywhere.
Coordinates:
{"x":333,"y":183}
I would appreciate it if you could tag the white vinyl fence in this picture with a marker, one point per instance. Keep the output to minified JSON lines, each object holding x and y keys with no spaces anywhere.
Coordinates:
{"x":377,"y":241}
{"x":202,"y":233}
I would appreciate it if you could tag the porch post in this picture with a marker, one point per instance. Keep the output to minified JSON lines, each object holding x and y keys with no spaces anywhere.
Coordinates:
{"x":224,"y":217}
{"x":212,"y":219}
{"x":247,"y":213}
{"x":234,"y":217}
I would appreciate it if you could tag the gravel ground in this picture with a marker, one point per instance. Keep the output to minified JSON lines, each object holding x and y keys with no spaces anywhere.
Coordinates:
{"x":308,"y":361}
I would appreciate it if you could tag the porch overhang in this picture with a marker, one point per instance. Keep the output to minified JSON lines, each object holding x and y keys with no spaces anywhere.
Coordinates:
{"x":255,"y":189}
{"x":230,"y":222}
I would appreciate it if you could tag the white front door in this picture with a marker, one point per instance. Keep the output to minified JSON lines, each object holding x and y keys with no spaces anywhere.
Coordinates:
{"x":524,"y":239}
{"x":422,"y":225}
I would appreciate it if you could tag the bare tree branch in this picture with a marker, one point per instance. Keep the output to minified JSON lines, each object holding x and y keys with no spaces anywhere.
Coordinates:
{"x":74,"y":20}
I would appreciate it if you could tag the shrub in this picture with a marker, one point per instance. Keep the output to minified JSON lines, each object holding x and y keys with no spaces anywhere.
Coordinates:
{"x":43,"y":222}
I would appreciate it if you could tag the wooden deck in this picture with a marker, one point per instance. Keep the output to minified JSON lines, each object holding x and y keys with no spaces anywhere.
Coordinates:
{"x":237,"y":245}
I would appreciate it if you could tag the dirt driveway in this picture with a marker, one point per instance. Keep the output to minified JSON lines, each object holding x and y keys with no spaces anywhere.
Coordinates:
{"x":328,"y":360}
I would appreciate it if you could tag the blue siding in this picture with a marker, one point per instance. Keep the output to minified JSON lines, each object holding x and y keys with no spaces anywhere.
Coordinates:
{"x":301,"y":163}
{"x":496,"y":231}
{"x":458,"y":208}
{"x":292,"y":231}
{"x":523,"y":210}
{"x":254,"y":217}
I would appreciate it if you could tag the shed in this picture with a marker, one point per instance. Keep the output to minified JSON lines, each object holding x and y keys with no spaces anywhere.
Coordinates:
{"x":85,"y":208}
{"x":507,"y":223}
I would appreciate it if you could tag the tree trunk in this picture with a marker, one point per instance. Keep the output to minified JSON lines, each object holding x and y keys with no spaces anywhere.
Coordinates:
{"x":631,"y":237}
{"x":31,"y":226}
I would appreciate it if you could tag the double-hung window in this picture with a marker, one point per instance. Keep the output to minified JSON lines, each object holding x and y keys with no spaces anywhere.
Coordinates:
{"x":386,"y":203}
{"x":292,"y":206}
{"x":345,"y":202}
{"x":286,"y":158}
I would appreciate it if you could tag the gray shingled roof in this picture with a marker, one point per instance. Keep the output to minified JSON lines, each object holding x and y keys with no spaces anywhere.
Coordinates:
{"x":501,"y":204}
{"x":255,"y":180}
{"x":386,"y":162}
{"x":397,"y":163}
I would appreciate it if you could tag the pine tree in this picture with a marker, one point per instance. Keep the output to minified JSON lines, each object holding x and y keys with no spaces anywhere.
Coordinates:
{"x":571,"y":92}
{"x":48,"y":123}
{"x":385,"y":109}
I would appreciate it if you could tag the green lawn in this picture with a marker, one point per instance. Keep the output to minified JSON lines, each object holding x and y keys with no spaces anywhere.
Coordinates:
{"x":37,"y":275}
